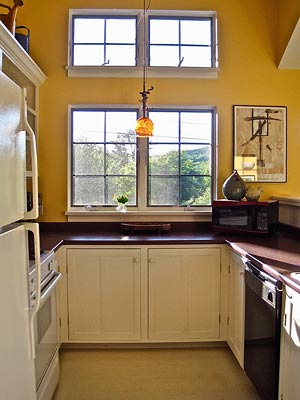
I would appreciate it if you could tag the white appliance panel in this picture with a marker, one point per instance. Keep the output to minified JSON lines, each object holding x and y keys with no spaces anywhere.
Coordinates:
{"x":12,"y":153}
{"x":17,"y":373}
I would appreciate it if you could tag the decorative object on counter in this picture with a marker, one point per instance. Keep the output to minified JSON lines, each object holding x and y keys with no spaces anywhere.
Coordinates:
{"x":260,"y":142}
{"x":145,"y":227}
{"x":23,"y":36}
{"x":144,"y":125}
{"x":252,"y":193}
{"x":234,"y":187}
{"x":9,"y":19}
{"x":122,"y":199}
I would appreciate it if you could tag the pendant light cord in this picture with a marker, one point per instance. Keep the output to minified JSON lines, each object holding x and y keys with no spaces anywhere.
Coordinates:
{"x":145,"y":92}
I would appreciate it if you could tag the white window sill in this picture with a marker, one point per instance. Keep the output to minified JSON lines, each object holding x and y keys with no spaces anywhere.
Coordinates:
{"x":137,"y":72}
{"x":136,"y":216}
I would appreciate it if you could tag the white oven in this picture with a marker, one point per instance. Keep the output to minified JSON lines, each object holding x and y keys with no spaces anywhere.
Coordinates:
{"x":46,"y":328}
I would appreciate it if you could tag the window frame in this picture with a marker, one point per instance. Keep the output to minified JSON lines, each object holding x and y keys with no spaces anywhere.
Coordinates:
{"x":105,"y":43}
{"x":142,"y":207}
{"x":137,"y":71}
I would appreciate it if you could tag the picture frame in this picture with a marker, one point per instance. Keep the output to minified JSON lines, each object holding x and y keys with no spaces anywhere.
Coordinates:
{"x":248,"y":178}
{"x":260,"y":142}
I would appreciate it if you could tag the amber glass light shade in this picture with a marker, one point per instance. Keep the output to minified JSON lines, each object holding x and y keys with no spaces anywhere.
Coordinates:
{"x":144,"y":127}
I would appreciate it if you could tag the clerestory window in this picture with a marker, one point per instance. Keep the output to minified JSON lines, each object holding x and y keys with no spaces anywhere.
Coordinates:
{"x":173,"y":43}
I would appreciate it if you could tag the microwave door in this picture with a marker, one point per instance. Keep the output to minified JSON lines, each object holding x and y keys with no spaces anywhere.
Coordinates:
{"x":12,"y":153}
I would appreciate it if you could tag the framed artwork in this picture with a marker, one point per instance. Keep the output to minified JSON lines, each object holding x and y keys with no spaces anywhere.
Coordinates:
{"x":260,"y":149}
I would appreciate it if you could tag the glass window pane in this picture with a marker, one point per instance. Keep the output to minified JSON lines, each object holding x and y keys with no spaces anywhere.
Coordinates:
{"x":195,"y":160}
{"x":121,"y":159}
{"x":195,"y":32}
{"x":88,"y":55}
{"x":118,"y":185}
{"x":195,"y":190}
{"x":120,"y":126}
{"x":120,"y":30}
{"x":196,"y":56}
{"x":88,"y":126}
{"x":191,"y":166}
{"x":88,"y":30}
{"x":164,"y":56}
{"x":88,"y":159}
{"x":88,"y":191}
{"x":196,"y":127}
{"x":163,"y":159}
{"x":164,"y":31}
{"x":163,"y":191}
{"x":121,"y":55}
{"x":166,"y":127}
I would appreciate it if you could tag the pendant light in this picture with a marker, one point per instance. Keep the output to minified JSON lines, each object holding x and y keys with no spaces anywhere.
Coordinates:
{"x":144,"y":125}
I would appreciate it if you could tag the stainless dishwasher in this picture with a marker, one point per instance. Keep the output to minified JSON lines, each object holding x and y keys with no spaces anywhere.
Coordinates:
{"x":263,"y":296}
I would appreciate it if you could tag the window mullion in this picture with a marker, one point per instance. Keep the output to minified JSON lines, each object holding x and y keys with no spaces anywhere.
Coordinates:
{"x":105,"y":165}
{"x":142,"y":173}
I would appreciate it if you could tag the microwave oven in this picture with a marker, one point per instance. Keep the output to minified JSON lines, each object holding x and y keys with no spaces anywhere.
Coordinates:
{"x":245,"y":216}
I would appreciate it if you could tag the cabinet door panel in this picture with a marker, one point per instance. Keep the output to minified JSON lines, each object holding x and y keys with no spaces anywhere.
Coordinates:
{"x":290,"y":351}
{"x":104,"y":294}
{"x":167,"y":306}
{"x":203,"y":295}
{"x":119,"y":295}
{"x":236,"y":308}
{"x":184,"y":294}
{"x":84,"y":294}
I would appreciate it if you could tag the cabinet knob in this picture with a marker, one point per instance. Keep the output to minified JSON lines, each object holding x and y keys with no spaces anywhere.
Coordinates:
{"x":151,"y":260}
{"x":135,"y":260}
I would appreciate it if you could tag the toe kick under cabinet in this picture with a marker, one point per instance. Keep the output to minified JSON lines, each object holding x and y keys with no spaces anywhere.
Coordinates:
{"x":142,"y":294}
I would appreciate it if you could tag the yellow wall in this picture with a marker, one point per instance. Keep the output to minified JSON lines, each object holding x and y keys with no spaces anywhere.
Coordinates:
{"x":251,"y":41}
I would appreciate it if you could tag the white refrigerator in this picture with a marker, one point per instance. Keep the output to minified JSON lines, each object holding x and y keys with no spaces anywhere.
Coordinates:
{"x":17,"y":350}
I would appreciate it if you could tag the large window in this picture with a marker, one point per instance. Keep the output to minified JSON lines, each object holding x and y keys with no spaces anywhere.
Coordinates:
{"x":118,"y":42}
{"x":175,"y":168}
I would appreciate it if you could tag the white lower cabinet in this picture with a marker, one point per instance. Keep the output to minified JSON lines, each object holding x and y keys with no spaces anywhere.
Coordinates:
{"x":236,"y":307}
{"x":104,"y":294}
{"x":142,"y":294}
{"x":184,"y":294}
{"x":289,"y":385}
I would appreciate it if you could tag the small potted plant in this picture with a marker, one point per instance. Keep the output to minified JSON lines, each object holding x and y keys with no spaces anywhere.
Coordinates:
{"x":122,"y":199}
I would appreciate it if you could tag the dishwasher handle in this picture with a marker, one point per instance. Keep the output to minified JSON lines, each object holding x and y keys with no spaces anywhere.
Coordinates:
{"x":263,"y":276}
{"x":253,"y":269}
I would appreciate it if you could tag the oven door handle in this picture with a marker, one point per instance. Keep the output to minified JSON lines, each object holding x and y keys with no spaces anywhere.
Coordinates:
{"x":34,"y":228}
{"x":48,"y":290}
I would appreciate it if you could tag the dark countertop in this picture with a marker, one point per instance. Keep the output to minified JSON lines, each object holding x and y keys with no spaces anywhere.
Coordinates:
{"x":277,"y":253}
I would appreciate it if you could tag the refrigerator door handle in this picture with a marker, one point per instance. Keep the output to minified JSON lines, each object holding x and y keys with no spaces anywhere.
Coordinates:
{"x":34,"y":228}
{"x":34,"y":212}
